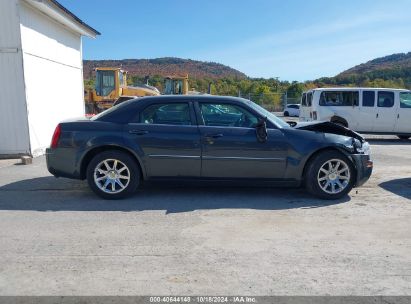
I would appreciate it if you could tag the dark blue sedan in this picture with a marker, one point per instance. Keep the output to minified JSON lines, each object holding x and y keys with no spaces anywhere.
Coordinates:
{"x":206,"y":138}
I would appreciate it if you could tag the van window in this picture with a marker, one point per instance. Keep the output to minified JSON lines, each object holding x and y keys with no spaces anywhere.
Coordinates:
{"x":368,"y":98}
{"x":304,"y":100}
{"x":338,"y":98}
{"x":385,"y":99}
{"x":405,"y":99}
{"x":309,"y":99}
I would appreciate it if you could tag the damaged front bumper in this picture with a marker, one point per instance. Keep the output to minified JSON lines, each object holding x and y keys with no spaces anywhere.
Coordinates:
{"x":364,"y":166}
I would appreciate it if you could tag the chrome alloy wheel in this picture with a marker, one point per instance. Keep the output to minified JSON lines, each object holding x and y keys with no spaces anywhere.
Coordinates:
{"x":333,"y":176}
{"x":111,"y":176}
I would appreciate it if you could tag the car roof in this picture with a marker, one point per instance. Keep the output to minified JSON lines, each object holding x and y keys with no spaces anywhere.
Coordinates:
{"x":354,"y":88}
{"x":205,"y":97}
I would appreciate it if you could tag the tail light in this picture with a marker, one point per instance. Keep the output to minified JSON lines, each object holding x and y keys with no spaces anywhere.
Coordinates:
{"x":56,"y":137}
{"x":314,"y":115}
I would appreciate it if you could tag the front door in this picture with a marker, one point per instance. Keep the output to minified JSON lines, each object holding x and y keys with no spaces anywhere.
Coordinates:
{"x":167,"y":138}
{"x":230,"y":148}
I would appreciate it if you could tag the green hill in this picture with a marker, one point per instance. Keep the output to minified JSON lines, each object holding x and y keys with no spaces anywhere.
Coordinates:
{"x":164,"y":67}
{"x":388,"y":71}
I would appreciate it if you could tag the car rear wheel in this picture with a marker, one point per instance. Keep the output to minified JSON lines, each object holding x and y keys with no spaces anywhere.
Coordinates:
{"x":113,"y":175}
{"x":329,"y":175}
{"x":286,"y":114}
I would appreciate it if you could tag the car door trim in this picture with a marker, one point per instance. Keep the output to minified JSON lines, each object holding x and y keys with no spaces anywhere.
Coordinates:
{"x":174,"y":156}
{"x":243,"y":158}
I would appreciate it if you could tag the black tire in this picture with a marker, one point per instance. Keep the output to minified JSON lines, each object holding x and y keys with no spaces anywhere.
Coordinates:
{"x":286,"y":114}
{"x":128,"y":185}
{"x":311,"y":178}
{"x":403,"y":137}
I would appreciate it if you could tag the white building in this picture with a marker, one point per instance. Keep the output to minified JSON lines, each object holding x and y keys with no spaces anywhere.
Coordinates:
{"x":41,"y":72}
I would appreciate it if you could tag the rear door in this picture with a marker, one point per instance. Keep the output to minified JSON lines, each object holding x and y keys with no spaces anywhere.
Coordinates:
{"x":230,"y":148}
{"x":404,"y":113}
{"x":166,"y":136}
{"x":368,"y":111}
{"x":386,"y":116}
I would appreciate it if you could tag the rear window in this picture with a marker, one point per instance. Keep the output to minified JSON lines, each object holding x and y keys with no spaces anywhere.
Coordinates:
{"x":309,"y":99}
{"x":304,"y":100}
{"x":293,"y":106}
{"x":339,"y":98}
{"x":405,"y":99}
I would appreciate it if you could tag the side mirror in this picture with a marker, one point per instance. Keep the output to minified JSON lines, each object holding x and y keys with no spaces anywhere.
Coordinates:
{"x":261,"y":130}
{"x":292,"y":123}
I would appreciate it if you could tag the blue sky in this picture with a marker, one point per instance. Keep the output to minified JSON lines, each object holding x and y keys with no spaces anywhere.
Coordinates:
{"x":292,"y":40}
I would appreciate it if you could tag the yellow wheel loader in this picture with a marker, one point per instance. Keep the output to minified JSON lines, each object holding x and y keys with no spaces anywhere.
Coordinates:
{"x":111,"y":88}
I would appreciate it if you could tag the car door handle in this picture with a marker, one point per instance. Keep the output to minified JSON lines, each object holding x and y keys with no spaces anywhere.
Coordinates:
{"x":376,"y":116}
{"x":214,"y":135}
{"x":138,"y":132}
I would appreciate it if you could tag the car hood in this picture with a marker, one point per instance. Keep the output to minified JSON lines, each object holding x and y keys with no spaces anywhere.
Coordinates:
{"x":328,"y":127}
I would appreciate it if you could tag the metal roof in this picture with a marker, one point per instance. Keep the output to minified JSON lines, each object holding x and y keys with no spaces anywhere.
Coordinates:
{"x":77,"y":19}
{"x":58,"y":12}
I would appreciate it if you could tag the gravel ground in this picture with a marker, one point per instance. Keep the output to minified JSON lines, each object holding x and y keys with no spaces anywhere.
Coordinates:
{"x":57,"y":238}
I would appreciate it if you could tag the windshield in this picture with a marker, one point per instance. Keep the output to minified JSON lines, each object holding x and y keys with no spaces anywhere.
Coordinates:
{"x":274,"y":119}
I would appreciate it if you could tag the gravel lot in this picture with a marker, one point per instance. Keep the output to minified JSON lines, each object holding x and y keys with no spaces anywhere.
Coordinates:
{"x":57,"y":238}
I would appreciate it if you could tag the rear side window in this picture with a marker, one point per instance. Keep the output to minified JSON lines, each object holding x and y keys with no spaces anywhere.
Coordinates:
{"x":337,"y":98}
{"x":166,"y":114}
{"x":385,"y":99}
{"x":368,"y":98}
{"x":405,"y":99}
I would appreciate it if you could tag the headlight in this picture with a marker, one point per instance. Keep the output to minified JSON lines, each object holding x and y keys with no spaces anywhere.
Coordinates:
{"x":361,"y":147}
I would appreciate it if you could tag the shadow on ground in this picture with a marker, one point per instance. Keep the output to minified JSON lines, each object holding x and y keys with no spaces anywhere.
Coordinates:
{"x":401,"y":187}
{"x":51,"y":194}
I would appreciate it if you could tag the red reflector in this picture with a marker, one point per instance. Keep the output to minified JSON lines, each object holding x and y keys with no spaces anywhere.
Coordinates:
{"x":56,"y":137}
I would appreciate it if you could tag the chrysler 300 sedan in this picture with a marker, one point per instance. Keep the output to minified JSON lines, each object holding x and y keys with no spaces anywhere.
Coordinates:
{"x":206,"y":138}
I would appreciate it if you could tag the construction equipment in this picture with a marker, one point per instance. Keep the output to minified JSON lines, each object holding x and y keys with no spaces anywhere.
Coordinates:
{"x":111,"y":88}
{"x":176,"y":85}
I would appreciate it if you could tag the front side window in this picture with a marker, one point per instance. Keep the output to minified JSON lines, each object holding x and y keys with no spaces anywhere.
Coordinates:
{"x":166,"y":114}
{"x":227,"y":115}
{"x":104,"y":82}
{"x":405,"y":99}
{"x":368,"y":98}
{"x":385,"y":99}
{"x":339,"y":98}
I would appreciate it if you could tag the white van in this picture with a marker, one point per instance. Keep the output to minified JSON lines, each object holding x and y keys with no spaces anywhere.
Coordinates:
{"x":365,"y":110}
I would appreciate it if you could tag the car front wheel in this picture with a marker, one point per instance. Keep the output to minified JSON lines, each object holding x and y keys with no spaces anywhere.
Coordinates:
{"x":329,"y":175}
{"x":113,"y":175}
